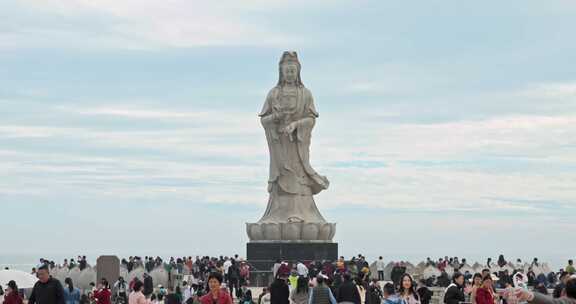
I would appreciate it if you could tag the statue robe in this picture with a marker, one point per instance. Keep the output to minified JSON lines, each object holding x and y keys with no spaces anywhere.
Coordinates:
{"x":292,"y":180}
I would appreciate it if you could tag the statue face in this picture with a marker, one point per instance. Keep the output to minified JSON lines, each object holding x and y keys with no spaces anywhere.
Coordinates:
{"x":290,"y":72}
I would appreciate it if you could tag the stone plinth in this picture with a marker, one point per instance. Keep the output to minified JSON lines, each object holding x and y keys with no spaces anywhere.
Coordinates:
{"x":263,"y":255}
{"x":108,"y":267}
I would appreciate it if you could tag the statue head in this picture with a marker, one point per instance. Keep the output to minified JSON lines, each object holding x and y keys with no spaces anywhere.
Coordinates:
{"x":289,"y":69}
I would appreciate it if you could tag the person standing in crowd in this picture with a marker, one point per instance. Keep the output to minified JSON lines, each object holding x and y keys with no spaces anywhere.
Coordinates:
{"x":564,"y":276}
{"x":518,"y":267}
{"x":390,"y":296}
{"x":321,"y":294}
{"x":275,"y":268}
{"x":455,"y":292}
{"x":216,"y":295}
{"x":302,"y":269}
{"x":568,"y":297}
{"x":424,"y":293}
{"x":293,"y":280}
{"x":361,"y":289}
{"x":531,"y":277}
{"x":12,"y":296}
{"x":396,"y":274}
{"x":148,"y":285}
{"x":136,"y":296}
{"x":570,"y":268}
{"x":485,"y":294}
{"x":188,"y":292}
{"x":264,"y":297}
{"x":246,"y":298}
{"x":380,"y":268}
{"x":374,"y":293}
{"x":301,"y":293}
{"x":501,"y":261}
{"x":172,"y":297}
{"x":279,"y":290}
{"x":47,"y":290}
{"x":244,"y":273}
{"x":234,"y":279}
{"x":226,"y":265}
{"x":120,"y":287}
{"x":348,"y":292}
{"x":71,"y":294}
{"x":407,"y":290}
{"x":103,"y":294}
{"x":476,"y":283}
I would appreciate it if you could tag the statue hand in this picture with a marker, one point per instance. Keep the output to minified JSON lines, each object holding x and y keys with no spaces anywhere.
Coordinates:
{"x":289,"y":128}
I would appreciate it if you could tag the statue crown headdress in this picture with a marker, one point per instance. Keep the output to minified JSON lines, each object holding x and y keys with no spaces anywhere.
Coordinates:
{"x":289,"y":57}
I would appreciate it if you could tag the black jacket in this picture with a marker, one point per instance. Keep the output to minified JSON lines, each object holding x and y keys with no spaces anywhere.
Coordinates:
{"x":279,"y":292}
{"x":373,"y":295}
{"x":348,"y":292}
{"x":148,"y":285}
{"x":50,"y":292}
{"x":425,"y":295}
{"x":454,"y":295}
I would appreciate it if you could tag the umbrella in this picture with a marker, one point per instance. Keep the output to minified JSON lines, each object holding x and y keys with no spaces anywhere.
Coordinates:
{"x":23,"y":279}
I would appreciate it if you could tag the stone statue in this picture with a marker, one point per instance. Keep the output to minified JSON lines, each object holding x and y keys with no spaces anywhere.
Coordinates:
{"x":288,"y":117}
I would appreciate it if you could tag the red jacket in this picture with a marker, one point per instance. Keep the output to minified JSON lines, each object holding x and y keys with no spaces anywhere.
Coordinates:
{"x":102,"y":296}
{"x":13,"y":298}
{"x":223,"y":298}
{"x":484,"y":296}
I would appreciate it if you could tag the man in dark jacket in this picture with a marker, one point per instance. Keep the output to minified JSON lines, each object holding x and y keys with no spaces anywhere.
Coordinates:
{"x":374,"y":293}
{"x":47,"y":290}
{"x":424,"y":292}
{"x":455,"y":292}
{"x":148,"y":285}
{"x":396,"y":274}
{"x":279,"y":291}
{"x":348,"y":292}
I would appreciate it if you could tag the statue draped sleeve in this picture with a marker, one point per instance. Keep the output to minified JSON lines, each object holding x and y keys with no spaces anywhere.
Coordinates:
{"x":304,"y":134}
{"x":271,"y":134}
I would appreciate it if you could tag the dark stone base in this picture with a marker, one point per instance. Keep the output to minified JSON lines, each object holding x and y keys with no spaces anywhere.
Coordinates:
{"x":263,"y":255}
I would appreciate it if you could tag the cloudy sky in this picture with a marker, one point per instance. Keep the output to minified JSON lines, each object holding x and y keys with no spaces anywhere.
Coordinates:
{"x":445,"y":128}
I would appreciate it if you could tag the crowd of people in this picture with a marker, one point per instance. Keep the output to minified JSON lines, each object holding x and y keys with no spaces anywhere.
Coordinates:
{"x":226,"y":280}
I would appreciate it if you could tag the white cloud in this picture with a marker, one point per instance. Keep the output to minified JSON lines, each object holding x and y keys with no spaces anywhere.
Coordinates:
{"x":563,"y":91}
{"x":141,"y":24}
{"x":405,"y":182}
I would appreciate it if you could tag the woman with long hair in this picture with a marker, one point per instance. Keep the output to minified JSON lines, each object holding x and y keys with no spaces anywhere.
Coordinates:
{"x":485,"y":294}
{"x":71,"y":294}
{"x":103,"y":295}
{"x":300,"y":294}
{"x":137,"y":296}
{"x":407,"y":290}
{"x":12,"y":296}
{"x":476,"y":283}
